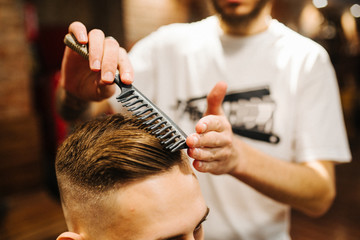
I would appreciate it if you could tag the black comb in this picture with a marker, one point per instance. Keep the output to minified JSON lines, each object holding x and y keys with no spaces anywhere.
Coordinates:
{"x":152,"y":118}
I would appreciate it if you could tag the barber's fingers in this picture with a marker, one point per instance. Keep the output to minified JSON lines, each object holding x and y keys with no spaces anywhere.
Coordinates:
{"x":215,"y":99}
{"x":218,"y":123}
{"x":210,"y":139}
{"x":80,"y":32}
{"x":106,"y":55}
{"x":109,"y":60}
{"x":96,"y":48}
{"x":211,"y":146}
{"x":125,"y":67}
{"x":212,"y":160}
{"x":211,"y":132}
{"x":216,"y":159}
{"x":210,"y":167}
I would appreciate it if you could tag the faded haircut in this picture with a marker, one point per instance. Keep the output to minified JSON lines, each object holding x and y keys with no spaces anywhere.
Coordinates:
{"x":109,"y":151}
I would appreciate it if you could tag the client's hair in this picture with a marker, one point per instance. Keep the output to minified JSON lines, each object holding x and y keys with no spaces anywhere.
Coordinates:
{"x":112,"y":150}
{"x":100,"y":157}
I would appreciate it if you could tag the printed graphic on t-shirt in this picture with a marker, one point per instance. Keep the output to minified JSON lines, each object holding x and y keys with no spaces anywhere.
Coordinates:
{"x":250,"y":113}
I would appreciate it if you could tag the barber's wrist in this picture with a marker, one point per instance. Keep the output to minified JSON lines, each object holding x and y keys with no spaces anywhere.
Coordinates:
{"x":70,"y":107}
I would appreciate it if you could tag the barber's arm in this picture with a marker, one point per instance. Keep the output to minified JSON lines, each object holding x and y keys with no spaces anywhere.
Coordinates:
{"x":308,"y":187}
{"x":82,"y":81}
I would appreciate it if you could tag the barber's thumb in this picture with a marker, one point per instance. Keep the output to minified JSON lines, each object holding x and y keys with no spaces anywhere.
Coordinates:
{"x":201,"y":166}
{"x":215,"y":99}
{"x":206,"y":166}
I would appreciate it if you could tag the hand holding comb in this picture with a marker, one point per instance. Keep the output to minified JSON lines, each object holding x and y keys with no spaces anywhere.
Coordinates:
{"x":152,"y":118}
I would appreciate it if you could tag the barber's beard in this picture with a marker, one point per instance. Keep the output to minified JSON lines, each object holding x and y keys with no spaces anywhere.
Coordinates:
{"x":235,"y":20}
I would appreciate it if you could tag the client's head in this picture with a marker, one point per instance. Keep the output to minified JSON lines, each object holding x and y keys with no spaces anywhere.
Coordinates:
{"x":117,"y":182}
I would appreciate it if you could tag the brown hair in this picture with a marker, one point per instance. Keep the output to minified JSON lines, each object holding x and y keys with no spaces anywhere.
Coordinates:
{"x":112,"y":150}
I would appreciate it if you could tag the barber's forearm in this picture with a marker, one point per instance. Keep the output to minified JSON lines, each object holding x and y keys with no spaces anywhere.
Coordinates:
{"x":309,"y":188}
{"x":70,"y":107}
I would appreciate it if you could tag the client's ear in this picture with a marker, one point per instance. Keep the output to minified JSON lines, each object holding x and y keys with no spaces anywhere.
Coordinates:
{"x":69,"y":236}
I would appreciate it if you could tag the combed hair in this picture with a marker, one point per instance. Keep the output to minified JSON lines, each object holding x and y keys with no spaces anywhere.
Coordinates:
{"x":112,"y":150}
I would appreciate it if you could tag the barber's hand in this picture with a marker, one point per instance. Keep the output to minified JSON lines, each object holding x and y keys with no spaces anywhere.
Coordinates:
{"x":213,"y":145}
{"x":91,"y":80}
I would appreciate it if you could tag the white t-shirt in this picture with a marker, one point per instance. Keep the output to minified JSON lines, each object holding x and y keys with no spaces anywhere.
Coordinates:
{"x":282,"y":99}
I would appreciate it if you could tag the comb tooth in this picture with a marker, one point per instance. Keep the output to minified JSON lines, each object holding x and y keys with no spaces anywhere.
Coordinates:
{"x":128,"y":98}
{"x":151,"y":121}
{"x":157,"y":125}
{"x":176,"y":146}
{"x":173,"y":138}
{"x":158,"y":132}
{"x":156,"y":129}
{"x":126,"y":94}
{"x":138,"y":107}
{"x":123,"y":100}
{"x":168,"y":134}
{"x":142,"y":112}
{"x":130,"y":104}
{"x":170,"y":147}
{"x":180,"y":146}
{"x":147,"y":116}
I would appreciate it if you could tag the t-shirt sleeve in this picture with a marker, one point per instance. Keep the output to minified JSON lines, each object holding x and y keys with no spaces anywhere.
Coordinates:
{"x":320,"y":130}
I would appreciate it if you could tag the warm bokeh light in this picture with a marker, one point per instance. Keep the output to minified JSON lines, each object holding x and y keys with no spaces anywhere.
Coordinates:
{"x":355,"y":10}
{"x":349,"y":27}
{"x":320,"y":3}
{"x":311,"y":21}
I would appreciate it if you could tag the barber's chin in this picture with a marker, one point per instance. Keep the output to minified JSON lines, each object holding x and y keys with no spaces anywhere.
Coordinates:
{"x":237,"y":10}
{"x":236,"y":14}
{"x":235,"y":1}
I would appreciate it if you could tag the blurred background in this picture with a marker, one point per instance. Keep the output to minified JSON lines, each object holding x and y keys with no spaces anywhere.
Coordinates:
{"x":31,"y":48}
